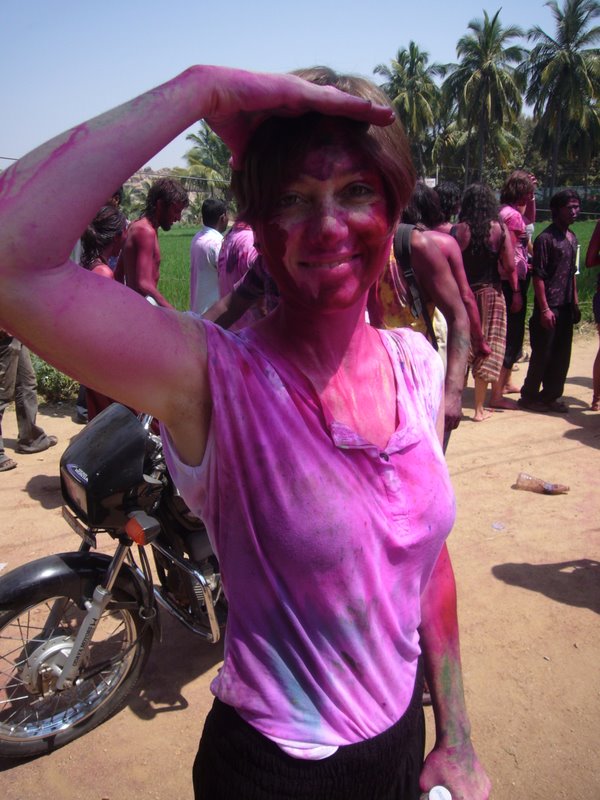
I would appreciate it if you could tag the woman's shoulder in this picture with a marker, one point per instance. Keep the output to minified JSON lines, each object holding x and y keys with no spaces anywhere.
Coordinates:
{"x":462,"y":233}
{"x":497,"y":234}
{"x":511,"y":217}
{"x":412,"y":344}
{"x":237,"y":351}
{"x":419,"y":364}
{"x":100,"y":268}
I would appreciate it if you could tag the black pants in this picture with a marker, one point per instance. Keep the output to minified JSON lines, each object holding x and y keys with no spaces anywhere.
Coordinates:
{"x":550,"y":356}
{"x":515,"y":323}
{"x":236,"y":762}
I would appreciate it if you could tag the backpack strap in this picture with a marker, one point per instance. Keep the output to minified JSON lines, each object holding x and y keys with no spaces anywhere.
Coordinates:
{"x":402,"y":256}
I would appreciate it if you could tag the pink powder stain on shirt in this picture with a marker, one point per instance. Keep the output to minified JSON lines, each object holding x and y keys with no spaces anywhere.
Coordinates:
{"x":332,"y":537}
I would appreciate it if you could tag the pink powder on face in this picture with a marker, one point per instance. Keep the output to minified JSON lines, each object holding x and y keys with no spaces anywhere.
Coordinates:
{"x":322,"y":162}
{"x":329,"y":237}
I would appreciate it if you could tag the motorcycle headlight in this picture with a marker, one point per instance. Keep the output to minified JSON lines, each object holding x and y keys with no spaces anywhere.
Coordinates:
{"x":75,"y":485}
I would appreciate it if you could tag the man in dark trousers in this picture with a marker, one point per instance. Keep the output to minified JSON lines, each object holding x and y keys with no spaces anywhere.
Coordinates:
{"x":18,"y":383}
{"x":556,"y":308}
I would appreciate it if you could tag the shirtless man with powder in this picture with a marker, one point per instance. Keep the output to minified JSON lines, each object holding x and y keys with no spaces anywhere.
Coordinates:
{"x":139,"y":264}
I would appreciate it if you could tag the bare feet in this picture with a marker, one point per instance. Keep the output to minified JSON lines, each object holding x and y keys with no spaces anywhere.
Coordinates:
{"x":504,"y":403}
{"x":510,"y":388}
{"x":481,"y":416}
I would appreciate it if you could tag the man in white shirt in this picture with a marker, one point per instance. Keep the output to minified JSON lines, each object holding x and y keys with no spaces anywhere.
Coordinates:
{"x":204,"y":255}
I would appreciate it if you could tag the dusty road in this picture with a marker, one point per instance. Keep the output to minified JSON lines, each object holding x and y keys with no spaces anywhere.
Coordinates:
{"x":528,"y":572}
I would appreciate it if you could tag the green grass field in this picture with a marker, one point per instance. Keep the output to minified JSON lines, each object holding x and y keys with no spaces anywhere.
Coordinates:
{"x":175,"y":266}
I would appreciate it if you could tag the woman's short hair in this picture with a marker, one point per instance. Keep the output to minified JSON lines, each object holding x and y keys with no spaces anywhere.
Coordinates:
{"x":108,"y":223}
{"x":279,"y":145}
{"x":517,"y":186}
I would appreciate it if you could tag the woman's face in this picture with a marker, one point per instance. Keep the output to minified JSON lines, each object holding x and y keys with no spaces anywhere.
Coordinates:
{"x":117,"y":243}
{"x":329,"y":235}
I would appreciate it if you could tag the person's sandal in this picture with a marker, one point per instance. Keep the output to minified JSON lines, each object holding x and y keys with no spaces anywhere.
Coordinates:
{"x":595,"y":403}
{"x":7,"y":464}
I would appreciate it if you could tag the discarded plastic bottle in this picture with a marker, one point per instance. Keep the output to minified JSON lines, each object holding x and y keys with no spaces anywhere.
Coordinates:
{"x":437,"y":793}
{"x":530,"y":484}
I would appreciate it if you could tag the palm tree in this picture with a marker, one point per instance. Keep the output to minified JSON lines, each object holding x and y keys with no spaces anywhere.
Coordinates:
{"x":410,"y":85}
{"x":563,"y":72}
{"x":134,"y":197}
{"x":484,"y":83}
{"x":209,"y":157}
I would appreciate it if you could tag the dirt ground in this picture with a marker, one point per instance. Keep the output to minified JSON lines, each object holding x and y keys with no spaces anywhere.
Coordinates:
{"x":528,"y":573}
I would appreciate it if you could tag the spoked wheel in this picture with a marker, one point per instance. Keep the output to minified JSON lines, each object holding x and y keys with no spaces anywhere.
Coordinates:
{"x":35,"y":642}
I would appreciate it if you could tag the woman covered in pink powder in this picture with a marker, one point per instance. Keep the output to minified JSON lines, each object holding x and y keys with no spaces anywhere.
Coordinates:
{"x":309,"y":443}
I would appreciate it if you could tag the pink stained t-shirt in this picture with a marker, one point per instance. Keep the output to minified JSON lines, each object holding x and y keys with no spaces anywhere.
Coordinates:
{"x":237,"y":255}
{"x":325,"y":542}
{"x":515,"y":223}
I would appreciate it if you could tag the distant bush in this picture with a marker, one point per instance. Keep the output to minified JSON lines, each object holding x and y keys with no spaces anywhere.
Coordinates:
{"x":52,"y":384}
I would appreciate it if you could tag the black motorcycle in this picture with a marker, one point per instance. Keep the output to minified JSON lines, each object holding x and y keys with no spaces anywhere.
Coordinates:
{"x":76,"y":628}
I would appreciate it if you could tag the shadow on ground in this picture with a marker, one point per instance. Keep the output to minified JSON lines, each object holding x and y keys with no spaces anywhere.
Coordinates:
{"x":167,"y":673}
{"x":581,"y":381}
{"x":46,"y":490}
{"x":586,"y":425}
{"x":66,"y":409}
{"x":575,"y":583}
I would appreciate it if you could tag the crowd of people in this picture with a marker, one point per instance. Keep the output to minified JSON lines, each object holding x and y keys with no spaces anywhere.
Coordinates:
{"x":470,"y":261}
{"x":310,"y":441}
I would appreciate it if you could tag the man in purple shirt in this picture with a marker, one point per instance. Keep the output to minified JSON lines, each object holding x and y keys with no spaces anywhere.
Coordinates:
{"x":555,"y":309}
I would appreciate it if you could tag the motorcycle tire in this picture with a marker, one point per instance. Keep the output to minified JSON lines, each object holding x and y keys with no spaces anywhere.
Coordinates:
{"x":34,"y":637}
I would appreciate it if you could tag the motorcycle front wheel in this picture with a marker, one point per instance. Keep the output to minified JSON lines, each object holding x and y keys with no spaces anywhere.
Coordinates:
{"x":35,"y":640}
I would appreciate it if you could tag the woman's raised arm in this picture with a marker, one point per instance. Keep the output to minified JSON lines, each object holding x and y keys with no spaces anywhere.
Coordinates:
{"x":98,"y":331}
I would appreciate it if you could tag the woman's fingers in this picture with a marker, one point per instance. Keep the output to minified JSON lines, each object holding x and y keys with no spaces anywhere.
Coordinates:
{"x":247,"y":99}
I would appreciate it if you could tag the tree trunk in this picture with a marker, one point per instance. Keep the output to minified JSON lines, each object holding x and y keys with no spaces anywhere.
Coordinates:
{"x":481,"y":150}
{"x":421,"y":161}
{"x":467,"y":159}
{"x":555,"y":147}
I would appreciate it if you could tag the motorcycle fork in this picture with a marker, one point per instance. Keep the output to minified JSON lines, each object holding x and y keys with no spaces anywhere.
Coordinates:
{"x":95,"y":608}
{"x":58,"y":607}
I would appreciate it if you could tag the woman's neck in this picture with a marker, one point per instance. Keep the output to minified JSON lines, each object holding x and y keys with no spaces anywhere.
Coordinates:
{"x":320,"y":343}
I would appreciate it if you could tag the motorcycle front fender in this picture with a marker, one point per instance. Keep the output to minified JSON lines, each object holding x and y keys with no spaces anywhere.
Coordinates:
{"x":66,"y":574}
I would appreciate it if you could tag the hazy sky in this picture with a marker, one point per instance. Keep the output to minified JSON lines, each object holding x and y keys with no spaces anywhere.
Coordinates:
{"x":63,"y":61}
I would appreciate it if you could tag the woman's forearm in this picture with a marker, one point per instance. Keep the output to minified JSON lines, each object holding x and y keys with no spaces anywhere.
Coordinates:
{"x":49,"y":196}
{"x":441,"y":653}
{"x":80,"y":168}
{"x":453,"y":761}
